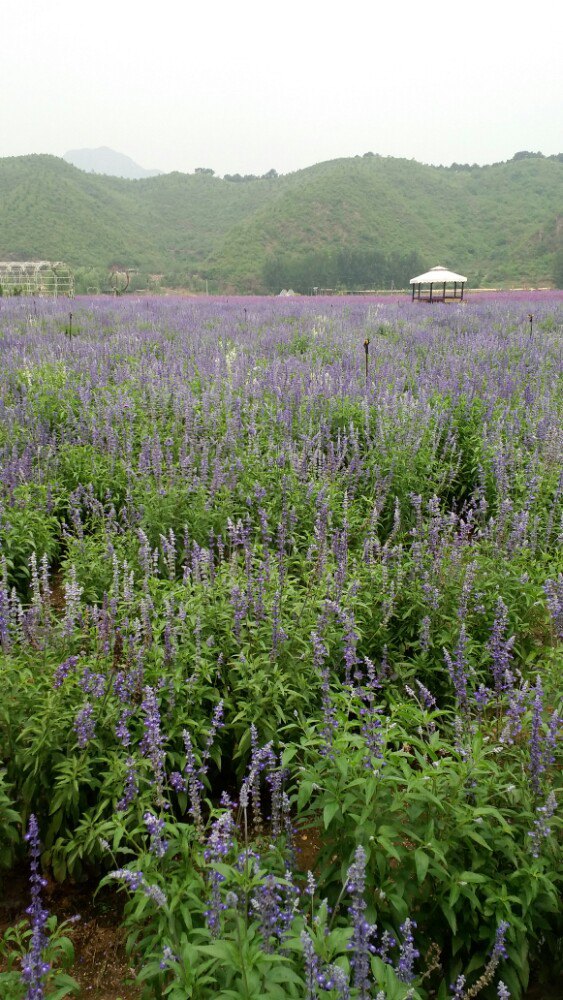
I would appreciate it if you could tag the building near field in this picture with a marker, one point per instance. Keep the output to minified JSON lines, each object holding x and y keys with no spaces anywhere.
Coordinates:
{"x":36,"y":277}
{"x":437,"y":278}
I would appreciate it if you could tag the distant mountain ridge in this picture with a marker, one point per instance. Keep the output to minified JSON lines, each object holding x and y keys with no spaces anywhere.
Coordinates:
{"x":362,"y":222}
{"x":104,"y":160}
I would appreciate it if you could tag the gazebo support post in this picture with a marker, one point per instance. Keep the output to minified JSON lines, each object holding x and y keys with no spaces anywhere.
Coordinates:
{"x":462,"y":286}
{"x":455,"y":289}
{"x":412,"y":299}
{"x":444,"y":291}
{"x":431,"y":283}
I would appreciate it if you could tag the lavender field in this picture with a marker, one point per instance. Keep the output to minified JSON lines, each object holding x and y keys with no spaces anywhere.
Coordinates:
{"x":260,"y":577}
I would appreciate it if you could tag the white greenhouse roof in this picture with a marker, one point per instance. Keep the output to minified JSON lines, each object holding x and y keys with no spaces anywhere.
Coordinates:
{"x":437,"y":275}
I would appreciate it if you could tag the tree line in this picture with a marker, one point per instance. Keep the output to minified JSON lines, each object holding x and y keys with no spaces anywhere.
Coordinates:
{"x":341,"y":270}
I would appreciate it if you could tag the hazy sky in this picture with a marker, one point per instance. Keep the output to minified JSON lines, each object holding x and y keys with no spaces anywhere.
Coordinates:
{"x":246,"y":86}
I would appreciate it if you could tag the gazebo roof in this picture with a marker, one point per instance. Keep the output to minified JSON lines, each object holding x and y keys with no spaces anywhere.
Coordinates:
{"x":438,"y":275}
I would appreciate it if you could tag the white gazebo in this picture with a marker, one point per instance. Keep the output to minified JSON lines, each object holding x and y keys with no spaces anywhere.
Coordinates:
{"x":438,"y":277}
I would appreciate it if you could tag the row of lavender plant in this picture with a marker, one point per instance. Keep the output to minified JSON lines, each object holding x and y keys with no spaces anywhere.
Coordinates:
{"x":223,"y":541}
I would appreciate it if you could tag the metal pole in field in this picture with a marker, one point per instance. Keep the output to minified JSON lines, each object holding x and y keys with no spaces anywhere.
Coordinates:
{"x":531,"y":318}
{"x":366,"y":349}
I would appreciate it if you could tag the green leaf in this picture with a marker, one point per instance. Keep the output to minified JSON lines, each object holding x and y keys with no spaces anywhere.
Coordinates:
{"x":304,"y":794}
{"x":421,"y":861}
{"x":471,"y":877}
{"x":329,"y":812}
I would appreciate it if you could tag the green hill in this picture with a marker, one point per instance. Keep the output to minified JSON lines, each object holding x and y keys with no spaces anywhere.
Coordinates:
{"x":360,"y":222}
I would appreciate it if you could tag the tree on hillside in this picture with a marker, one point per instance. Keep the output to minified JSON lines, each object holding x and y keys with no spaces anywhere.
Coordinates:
{"x":558,"y":269}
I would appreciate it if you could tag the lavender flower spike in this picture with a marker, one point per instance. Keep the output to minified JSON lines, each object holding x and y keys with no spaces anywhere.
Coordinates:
{"x":360,"y":943}
{"x":408,"y":953}
{"x":34,"y":969}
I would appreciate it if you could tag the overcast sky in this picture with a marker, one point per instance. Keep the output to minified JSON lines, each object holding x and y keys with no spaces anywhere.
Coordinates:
{"x":245,"y":86}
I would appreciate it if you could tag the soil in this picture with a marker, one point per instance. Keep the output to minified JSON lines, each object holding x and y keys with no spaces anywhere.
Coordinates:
{"x":100,"y":965}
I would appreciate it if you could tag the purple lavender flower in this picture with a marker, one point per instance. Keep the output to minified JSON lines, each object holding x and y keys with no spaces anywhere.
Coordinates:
{"x":311,"y":965}
{"x":267,"y":902}
{"x":334,"y":978}
{"x":427,"y":698}
{"x":458,"y":988}
{"x":92,"y":683}
{"x":385,"y":946}
{"x":135,"y":880}
{"x":219,"y":844}
{"x":85,"y":725}
{"x":194,"y":783}
{"x":121,"y":730}
{"x":131,"y":786}
{"x":500,"y":649}
{"x":499,"y":949}
{"x":177,"y":782}
{"x":458,"y":670}
{"x":195,"y":775}
{"x":73,"y":593}
{"x":424,"y":634}
{"x":517,"y":703}
{"x":369,"y":714}
{"x":275,"y":777}
{"x":537,"y":764}
{"x":361,"y":941}
{"x":261,"y":759}
{"x":408,"y":953}
{"x":152,"y":742}
{"x":155,"y":827}
{"x":63,"y":670}
{"x":541,"y":828}
{"x":168,"y":957}
{"x":502,"y":991}
{"x":554,"y":593}
{"x":34,"y":969}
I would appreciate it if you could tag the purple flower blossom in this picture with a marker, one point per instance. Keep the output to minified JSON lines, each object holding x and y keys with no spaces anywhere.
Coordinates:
{"x":554,"y":592}
{"x":499,"y":949}
{"x":500,"y":649}
{"x":63,"y":670}
{"x":152,"y":742}
{"x":177,"y":782}
{"x":219,"y":844}
{"x":155,"y":827}
{"x":408,"y":953}
{"x":311,"y":962}
{"x":424,"y":634}
{"x":73,"y":593}
{"x":333,"y":977}
{"x":34,"y":968}
{"x":361,"y":941}
{"x":371,"y":723}
{"x":267,"y":902}
{"x":85,"y":725}
{"x":458,"y":670}
{"x":131,"y":786}
{"x":121,"y":730}
{"x":541,"y":828}
{"x":168,"y":957}
{"x":135,"y":880}
{"x":428,"y":699}
{"x":92,"y":683}
{"x":458,"y":988}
